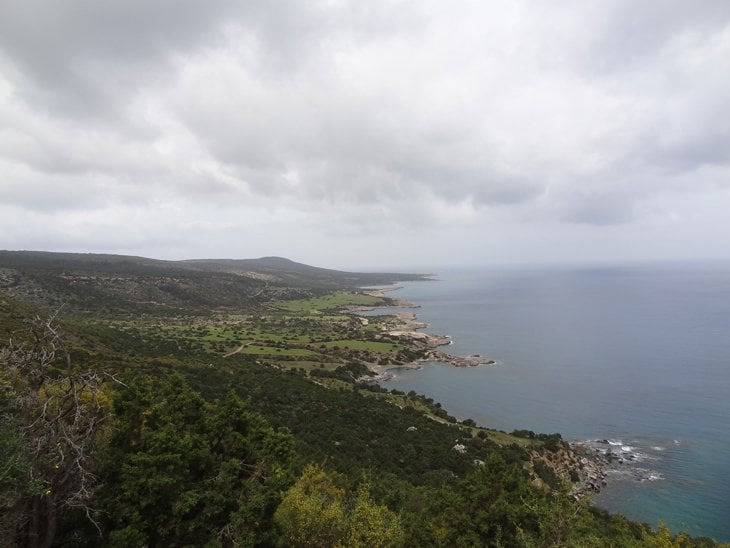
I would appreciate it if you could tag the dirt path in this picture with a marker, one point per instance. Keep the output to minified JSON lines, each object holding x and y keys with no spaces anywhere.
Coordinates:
{"x":237,"y":350}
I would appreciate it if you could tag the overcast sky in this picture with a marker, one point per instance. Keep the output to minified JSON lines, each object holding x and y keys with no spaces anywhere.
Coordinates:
{"x":367,"y":134}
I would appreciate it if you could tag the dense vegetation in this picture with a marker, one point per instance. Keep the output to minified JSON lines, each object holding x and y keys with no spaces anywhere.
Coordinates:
{"x":246,"y":425}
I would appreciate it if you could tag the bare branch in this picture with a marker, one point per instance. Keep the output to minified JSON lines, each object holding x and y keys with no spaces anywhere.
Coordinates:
{"x":61,"y":418}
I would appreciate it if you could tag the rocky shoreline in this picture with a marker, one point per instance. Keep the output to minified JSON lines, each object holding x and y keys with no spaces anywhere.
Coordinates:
{"x":622,"y":461}
{"x":608,"y":460}
{"x":407,"y":327}
{"x":590,"y":471}
{"x":590,"y":462}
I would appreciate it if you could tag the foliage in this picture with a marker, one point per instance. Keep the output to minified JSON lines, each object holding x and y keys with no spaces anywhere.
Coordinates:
{"x":202,"y":443}
{"x":312,"y":512}
{"x":54,"y":419}
{"x":315,"y":512}
{"x":546,"y":474}
{"x":15,"y":462}
{"x":181,"y":470}
{"x":551,"y":442}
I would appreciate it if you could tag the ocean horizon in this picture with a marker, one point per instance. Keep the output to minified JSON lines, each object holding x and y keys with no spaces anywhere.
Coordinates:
{"x":636,"y":356}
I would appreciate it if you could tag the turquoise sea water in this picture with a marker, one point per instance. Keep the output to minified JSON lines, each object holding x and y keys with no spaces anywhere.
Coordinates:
{"x":638,"y":355}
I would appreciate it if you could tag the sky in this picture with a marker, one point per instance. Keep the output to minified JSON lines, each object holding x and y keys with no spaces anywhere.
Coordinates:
{"x":367,"y":134}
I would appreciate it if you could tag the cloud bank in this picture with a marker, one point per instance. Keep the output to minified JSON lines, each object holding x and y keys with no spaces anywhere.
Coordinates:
{"x":367,"y":133}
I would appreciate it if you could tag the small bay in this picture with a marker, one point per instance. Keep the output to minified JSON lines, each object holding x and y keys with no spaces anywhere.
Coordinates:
{"x":638,"y":355}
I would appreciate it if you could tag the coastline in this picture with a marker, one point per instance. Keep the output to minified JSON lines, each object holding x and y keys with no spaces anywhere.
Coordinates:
{"x":588,"y":462}
{"x":408,"y":328}
{"x":679,"y":459}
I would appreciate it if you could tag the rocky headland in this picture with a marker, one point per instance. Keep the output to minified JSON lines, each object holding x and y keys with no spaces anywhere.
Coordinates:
{"x":408,"y":328}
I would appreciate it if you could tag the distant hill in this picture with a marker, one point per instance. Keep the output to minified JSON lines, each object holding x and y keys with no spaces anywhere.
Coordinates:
{"x":281,"y":270}
{"x":120,"y":283}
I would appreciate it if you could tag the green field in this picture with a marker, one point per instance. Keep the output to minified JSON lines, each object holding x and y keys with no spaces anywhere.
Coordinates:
{"x":370,"y":346}
{"x":276,"y":351}
{"x":332,"y":301}
{"x":314,"y":333}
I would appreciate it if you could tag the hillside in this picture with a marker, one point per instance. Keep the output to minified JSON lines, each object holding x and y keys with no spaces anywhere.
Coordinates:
{"x":284,"y":271}
{"x":122,"y":284}
{"x":230,"y":402}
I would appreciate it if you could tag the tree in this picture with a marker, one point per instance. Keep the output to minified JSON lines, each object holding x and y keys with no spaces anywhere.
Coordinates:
{"x":185,"y":471}
{"x":663,"y":538}
{"x":316,"y":512}
{"x":312,"y":512}
{"x":53,"y":420}
{"x":14,"y":461}
{"x":372,"y":525}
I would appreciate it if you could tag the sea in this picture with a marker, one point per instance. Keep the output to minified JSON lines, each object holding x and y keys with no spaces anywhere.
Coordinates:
{"x":634,"y":357}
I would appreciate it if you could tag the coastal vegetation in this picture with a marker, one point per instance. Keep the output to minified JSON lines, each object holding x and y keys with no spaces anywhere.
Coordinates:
{"x":229,"y":403}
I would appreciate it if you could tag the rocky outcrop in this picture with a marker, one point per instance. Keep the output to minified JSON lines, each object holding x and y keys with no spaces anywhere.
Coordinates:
{"x":581,"y":471}
{"x":458,"y":361}
{"x":616,"y":459}
{"x":406,"y":327}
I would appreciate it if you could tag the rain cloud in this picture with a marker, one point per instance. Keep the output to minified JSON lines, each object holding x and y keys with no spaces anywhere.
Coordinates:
{"x":356,"y":134}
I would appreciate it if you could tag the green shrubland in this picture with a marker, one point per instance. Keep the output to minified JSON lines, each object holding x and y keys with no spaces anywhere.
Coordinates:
{"x":144,"y":429}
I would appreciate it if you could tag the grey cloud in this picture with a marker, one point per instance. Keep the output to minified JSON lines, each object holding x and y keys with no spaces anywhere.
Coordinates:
{"x":372,"y":115}
{"x":70,"y":48}
{"x":343,"y":151}
{"x":600,"y":209}
{"x":83,"y":58}
{"x":58,"y":193}
{"x":630,"y":34}
{"x":694,"y":150}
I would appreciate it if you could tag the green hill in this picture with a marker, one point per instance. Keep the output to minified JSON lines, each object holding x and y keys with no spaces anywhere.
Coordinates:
{"x":123,"y":284}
